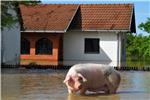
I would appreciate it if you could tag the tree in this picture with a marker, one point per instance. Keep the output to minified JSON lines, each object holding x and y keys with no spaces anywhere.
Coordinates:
{"x":8,"y":19}
{"x":145,"y":26}
{"x":134,"y":46}
{"x":138,"y":46}
{"x":137,"y":50}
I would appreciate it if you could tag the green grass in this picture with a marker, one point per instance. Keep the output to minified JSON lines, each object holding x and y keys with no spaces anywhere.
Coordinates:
{"x":138,"y":62}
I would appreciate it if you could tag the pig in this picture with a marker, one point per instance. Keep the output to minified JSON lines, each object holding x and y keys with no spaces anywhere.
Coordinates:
{"x":92,"y":77}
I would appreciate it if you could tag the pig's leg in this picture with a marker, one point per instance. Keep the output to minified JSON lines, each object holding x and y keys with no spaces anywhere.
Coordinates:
{"x":105,"y":89}
{"x":82,"y":91}
{"x":109,"y":86}
{"x":70,"y":91}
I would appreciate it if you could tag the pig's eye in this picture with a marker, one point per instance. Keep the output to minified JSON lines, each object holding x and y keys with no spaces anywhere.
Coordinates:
{"x":80,"y":78}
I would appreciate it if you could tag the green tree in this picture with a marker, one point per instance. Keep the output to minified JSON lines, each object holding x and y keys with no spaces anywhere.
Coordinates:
{"x":7,"y":18}
{"x":138,"y":46}
{"x":147,"y":47}
{"x":129,"y":48}
{"x":138,"y":50}
{"x":145,"y":26}
{"x":134,"y":46}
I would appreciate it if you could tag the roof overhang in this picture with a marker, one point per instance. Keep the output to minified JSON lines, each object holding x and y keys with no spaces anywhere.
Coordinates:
{"x":49,"y":31}
{"x":107,"y":30}
{"x":43,"y":31}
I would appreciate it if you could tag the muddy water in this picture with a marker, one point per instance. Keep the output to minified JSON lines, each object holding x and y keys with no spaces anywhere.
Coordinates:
{"x":47,"y":85}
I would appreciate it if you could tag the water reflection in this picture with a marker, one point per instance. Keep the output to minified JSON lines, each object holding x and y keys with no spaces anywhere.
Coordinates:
{"x":43,"y":86}
{"x":47,"y":85}
{"x":94,"y":97}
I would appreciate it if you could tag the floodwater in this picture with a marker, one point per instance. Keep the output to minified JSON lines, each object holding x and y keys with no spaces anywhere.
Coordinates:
{"x":39,"y":84}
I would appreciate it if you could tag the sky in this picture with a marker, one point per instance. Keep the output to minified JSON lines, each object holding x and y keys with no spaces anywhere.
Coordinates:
{"x":142,"y":8}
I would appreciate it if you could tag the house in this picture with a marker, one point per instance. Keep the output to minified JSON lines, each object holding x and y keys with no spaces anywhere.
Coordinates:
{"x":53,"y":34}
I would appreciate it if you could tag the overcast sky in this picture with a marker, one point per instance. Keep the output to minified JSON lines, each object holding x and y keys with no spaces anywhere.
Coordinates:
{"x":142,"y":7}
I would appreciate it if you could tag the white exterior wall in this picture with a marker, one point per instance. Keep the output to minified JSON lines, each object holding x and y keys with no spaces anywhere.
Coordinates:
{"x":74,"y":48}
{"x":10,"y":45}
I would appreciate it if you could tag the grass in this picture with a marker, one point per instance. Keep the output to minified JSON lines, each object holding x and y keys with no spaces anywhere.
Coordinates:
{"x":138,"y":62}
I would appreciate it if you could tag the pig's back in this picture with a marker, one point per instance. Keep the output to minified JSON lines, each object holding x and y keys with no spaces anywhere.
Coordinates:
{"x":94,"y":73}
{"x":90,"y":68}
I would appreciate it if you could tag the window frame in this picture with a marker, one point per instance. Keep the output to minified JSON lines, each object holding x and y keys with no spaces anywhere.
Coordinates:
{"x":92,"y":51}
{"x":37,"y":52}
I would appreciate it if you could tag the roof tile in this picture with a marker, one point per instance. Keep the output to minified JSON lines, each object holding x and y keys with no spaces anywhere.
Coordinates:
{"x":47,"y":16}
{"x":106,"y":16}
{"x":57,"y":17}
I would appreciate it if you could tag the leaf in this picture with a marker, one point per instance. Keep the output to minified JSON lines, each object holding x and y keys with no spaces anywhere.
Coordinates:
{"x":145,"y":26}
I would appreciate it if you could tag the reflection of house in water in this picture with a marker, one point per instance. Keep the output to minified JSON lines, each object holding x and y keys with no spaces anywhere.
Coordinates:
{"x":72,"y":33}
{"x":39,"y":86}
{"x":10,"y":87}
{"x":34,"y":84}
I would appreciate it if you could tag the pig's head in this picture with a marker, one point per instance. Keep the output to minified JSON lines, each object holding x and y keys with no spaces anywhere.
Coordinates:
{"x":75,"y":82}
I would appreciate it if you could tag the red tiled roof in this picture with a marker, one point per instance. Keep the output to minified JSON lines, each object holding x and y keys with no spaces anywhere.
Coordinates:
{"x":57,"y":17}
{"x":106,"y":16}
{"x":51,"y":17}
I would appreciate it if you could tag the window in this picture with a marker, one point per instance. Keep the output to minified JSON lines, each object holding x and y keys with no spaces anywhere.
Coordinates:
{"x":25,"y":46}
{"x":91,"y":45}
{"x":44,"y":46}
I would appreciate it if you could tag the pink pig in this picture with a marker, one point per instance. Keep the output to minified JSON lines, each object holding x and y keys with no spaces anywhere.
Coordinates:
{"x":92,"y":77}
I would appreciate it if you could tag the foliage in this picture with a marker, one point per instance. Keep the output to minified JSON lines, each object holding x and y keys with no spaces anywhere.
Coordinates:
{"x":9,"y":19}
{"x":145,"y":26}
{"x":138,"y":46}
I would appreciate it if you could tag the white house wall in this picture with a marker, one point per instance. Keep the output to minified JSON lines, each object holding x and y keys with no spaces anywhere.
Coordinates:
{"x":10,"y":45}
{"x":74,"y":48}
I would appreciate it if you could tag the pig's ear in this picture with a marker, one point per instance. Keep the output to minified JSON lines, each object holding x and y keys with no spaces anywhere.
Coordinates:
{"x":83,"y":78}
{"x":67,"y":79}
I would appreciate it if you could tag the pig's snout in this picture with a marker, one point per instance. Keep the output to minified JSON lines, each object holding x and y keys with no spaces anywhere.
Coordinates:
{"x":78,"y":86}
